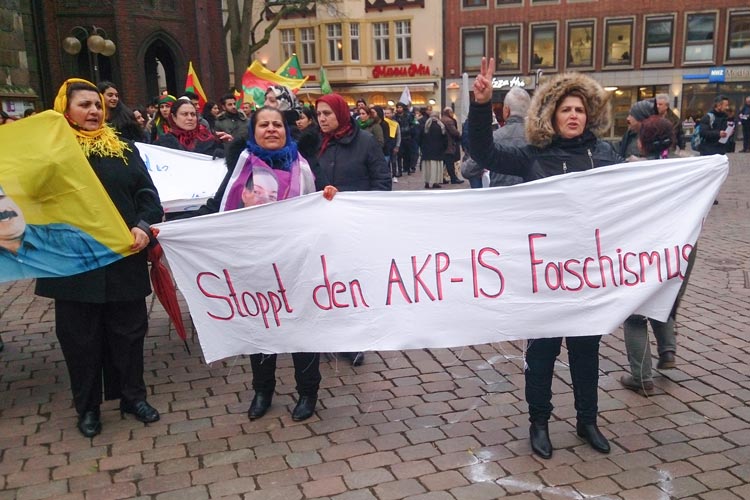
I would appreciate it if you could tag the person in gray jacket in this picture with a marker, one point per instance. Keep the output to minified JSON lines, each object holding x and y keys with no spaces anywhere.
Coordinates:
{"x":513,"y":133}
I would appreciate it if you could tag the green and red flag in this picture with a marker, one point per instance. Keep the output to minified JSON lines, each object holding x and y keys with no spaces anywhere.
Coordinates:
{"x":291,"y":69}
{"x":192,"y":84}
{"x":257,"y":79}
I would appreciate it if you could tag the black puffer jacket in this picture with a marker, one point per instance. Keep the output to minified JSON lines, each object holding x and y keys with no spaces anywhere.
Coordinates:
{"x":547,"y":153}
{"x":530,"y":162}
{"x":354,"y":163}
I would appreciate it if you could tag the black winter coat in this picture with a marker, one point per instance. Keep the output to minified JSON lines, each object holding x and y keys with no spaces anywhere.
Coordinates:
{"x":434,"y":142}
{"x":213,"y":147}
{"x":354,"y":163}
{"x":711,"y":134}
{"x":531,"y":162}
{"x":134,"y":195}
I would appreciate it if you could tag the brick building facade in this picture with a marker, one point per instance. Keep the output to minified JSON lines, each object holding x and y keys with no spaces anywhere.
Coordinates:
{"x":170,"y":31}
{"x":690,"y":49}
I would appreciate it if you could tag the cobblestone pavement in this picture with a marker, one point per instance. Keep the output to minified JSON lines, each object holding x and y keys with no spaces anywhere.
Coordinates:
{"x":420,"y":424}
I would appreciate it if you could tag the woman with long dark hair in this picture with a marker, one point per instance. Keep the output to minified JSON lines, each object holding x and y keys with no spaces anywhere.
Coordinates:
{"x":566,"y":115}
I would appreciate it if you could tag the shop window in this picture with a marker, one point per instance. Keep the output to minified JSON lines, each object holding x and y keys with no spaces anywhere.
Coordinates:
{"x":739,"y":36}
{"x":380,"y":36}
{"x":651,"y":91}
{"x":659,"y":37}
{"x":378,"y":100}
{"x":473,"y":46}
{"x":508,"y":48}
{"x":619,"y":43}
{"x":543,"y":46}
{"x":307,"y":40}
{"x":335,"y":43}
{"x":354,"y":41}
{"x":699,"y":43}
{"x":403,"y":40}
{"x":581,"y":44}
{"x":621,"y":102}
{"x":287,"y":43}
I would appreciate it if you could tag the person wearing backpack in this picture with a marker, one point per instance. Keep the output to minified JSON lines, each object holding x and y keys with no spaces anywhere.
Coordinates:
{"x":712,"y":127}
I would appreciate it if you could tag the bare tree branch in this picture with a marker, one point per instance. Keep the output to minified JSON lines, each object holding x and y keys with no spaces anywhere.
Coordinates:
{"x":248,"y":32}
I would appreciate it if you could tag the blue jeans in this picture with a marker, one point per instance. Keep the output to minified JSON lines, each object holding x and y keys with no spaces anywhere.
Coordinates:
{"x":475,"y":182}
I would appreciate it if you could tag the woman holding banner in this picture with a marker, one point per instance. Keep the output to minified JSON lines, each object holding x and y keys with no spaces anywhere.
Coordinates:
{"x":100,"y":316}
{"x":566,"y":115}
{"x":270,"y":169}
{"x":655,"y":138}
{"x":349,"y":159}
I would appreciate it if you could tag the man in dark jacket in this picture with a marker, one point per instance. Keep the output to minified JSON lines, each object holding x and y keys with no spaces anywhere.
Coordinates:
{"x":713,"y":128}
{"x":230,"y":120}
{"x":744,"y":117}
{"x":407,"y":153}
{"x":662,"y":107}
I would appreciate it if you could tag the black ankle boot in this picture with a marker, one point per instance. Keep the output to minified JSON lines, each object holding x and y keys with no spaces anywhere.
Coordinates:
{"x":305,"y":408}
{"x":539,"y":436}
{"x":141,"y":410}
{"x":260,"y":405}
{"x":90,"y":423}
{"x":591,"y":434}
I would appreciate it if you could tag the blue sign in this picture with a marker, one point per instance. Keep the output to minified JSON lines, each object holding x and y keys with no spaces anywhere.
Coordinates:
{"x":716,"y":74}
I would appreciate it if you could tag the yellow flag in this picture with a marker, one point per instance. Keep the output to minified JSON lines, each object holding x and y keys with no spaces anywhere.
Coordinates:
{"x":49,"y":191}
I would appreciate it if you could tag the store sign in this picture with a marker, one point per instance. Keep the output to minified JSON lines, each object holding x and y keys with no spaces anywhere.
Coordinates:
{"x":716,"y":74}
{"x":501,"y":83}
{"x":741,"y":73}
{"x":383,"y":71}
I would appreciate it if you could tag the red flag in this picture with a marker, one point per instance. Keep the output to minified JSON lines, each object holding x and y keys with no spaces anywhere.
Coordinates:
{"x":192,"y":84}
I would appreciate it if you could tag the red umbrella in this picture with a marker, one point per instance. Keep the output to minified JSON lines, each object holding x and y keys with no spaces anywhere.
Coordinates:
{"x":165,"y":290}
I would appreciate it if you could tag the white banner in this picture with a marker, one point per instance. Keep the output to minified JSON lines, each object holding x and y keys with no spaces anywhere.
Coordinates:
{"x":569,"y":255}
{"x":184,"y":180}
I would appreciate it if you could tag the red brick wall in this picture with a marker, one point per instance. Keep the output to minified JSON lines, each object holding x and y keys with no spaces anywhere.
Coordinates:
{"x":194,"y":25}
{"x":456,"y":18}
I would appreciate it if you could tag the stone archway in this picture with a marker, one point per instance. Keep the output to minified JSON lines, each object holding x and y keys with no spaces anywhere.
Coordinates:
{"x":162,"y":59}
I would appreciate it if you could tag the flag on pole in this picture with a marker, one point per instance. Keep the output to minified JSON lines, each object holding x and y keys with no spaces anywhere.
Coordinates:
{"x":325,"y":87}
{"x":291,"y":69}
{"x":258,"y":78}
{"x":405,"y":96}
{"x":192,"y":84}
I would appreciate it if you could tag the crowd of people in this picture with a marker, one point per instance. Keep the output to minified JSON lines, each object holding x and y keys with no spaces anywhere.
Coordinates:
{"x":285,"y":149}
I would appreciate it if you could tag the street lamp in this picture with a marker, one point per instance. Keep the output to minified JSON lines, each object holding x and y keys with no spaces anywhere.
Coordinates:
{"x":96,"y":43}
{"x":453,"y":90}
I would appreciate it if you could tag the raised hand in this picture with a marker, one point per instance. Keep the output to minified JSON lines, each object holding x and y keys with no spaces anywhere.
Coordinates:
{"x":483,"y":82}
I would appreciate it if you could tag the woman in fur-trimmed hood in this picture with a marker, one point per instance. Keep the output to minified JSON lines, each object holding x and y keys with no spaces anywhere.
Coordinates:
{"x":566,"y":115}
{"x":540,"y":123}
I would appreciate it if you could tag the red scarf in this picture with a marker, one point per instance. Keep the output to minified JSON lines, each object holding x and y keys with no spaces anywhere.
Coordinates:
{"x":188,"y":138}
{"x":341,"y":110}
